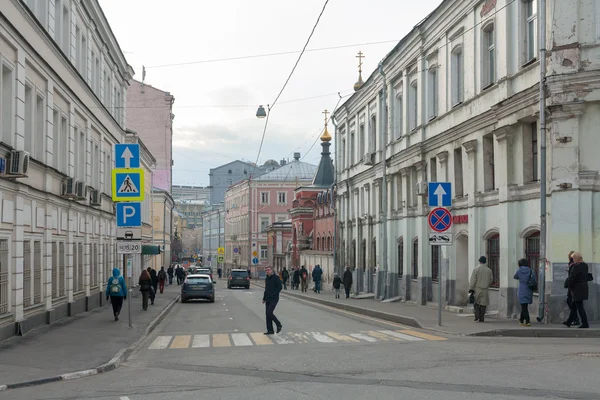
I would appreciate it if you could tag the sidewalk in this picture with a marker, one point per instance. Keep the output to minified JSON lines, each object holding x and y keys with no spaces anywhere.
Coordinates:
{"x":426,"y":317}
{"x":83,"y":343}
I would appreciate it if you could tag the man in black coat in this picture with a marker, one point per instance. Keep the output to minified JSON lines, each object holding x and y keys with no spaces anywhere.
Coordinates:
{"x":578,"y":286}
{"x":270,"y":299}
{"x":347,"y":281}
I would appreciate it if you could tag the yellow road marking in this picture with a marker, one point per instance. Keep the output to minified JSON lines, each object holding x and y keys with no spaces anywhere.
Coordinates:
{"x":381,"y":336}
{"x":221,"y":340}
{"x":260,"y":338}
{"x":340,"y":337}
{"x":181,"y":342}
{"x":422,"y":335}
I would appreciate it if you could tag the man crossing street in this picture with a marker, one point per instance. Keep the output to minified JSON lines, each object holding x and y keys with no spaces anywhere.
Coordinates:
{"x":270,"y":300}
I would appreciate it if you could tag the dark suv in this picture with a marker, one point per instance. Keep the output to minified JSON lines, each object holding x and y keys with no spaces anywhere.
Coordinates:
{"x":238,"y":277}
{"x":198,"y":286}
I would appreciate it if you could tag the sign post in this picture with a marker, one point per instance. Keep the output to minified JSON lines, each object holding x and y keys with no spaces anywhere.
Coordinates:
{"x":440,"y":222}
{"x":128,"y":193}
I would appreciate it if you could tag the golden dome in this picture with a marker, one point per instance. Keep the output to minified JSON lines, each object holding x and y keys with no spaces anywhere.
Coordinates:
{"x":326,"y":137}
{"x":358,"y":83}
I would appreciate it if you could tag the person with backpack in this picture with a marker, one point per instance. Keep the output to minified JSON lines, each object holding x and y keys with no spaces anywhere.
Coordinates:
{"x":116,"y":290}
{"x":162,"y":278}
{"x":145,"y":283}
{"x":527,"y":284}
{"x":304,"y":278}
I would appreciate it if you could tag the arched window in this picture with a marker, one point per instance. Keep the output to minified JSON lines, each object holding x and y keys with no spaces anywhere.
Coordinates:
{"x":532,"y":251}
{"x":328,"y":243}
{"x":415,"y":259}
{"x":318,"y":244}
{"x":363,"y":254}
{"x":400,"y":257}
{"x":493,"y":258}
{"x":373,"y":253}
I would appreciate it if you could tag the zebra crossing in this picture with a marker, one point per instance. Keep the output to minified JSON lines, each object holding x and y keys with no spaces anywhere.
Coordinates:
{"x":198,"y":341}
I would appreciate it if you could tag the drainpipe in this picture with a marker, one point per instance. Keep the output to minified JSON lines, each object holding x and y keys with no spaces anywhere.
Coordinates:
{"x":164,"y":227}
{"x":250,"y":223}
{"x":152,"y":204}
{"x":542,"y":269}
{"x":171,"y":235}
{"x":336,"y":267}
{"x":384,"y":202}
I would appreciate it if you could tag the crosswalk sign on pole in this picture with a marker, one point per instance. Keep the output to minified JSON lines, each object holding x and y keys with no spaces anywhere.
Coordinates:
{"x":128,"y":184}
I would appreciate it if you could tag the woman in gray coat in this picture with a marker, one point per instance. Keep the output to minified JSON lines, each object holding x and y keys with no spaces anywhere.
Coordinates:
{"x":525,"y":293}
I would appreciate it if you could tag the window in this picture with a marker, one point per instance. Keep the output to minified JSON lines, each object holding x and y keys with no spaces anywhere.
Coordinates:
{"x":432,"y":92}
{"x":78,"y":281}
{"x":412,"y":106}
{"x":435,"y":263}
{"x":264,"y":197}
{"x":263,"y":251}
{"x":493,"y":258}
{"x":281,"y":198}
{"x":61,"y":142}
{"x":80,"y":154}
{"x":361,"y":140}
{"x":343,"y":158}
{"x":4,"y":270}
{"x":415,"y":259}
{"x":57,"y":29}
{"x":55,"y":282}
{"x":94,"y":266}
{"x":107,"y":172}
{"x":27,"y":301}
{"x":7,"y":102}
{"x":352,"y":150}
{"x":457,"y":69}
{"x":399,"y":112}
{"x":458,"y":173}
{"x":37,"y":272}
{"x":40,"y":129}
{"x":78,"y":48}
{"x":29,"y":123}
{"x":62,"y":270}
{"x":489,"y":56}
{"x":96,"y":167}
{"x":107,"y":92}
{"x":373,"y":134}
{"x":400,"y":257}
{"x":66,"y":31}
{"x":489,"y":180}
{"x":84,"y":58}
{"x":264,"y":224}
{"x":433,"y":169}
{"x":532,"y":252}
{"x":318,"y":243}
{"x":534,"y":152}
{"x":530,"y":30}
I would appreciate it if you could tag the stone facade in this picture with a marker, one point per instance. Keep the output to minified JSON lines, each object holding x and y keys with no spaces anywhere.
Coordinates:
{"x":462,"y":91}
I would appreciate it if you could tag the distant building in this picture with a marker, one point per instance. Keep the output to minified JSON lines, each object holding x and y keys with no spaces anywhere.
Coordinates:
{"x":192,"y":210}
{"x":267,"y":202}
{"x":280,"y":245}
{"x":150,"y":115}
{"x":221,"y":178}
{"x":185,"y":192}
{"x":213,"y":233}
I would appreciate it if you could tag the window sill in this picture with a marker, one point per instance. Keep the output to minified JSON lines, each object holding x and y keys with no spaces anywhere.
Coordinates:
{"x":530,"y":62}
{"x":457,"y":104}
{"x":488,"y":86}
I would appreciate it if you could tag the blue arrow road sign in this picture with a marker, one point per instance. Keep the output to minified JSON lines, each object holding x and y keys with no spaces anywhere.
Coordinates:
{"x":440,"y":194}
{"x":255,"y":261}
{"x":129,"y":214}
{"x":127,"y":155}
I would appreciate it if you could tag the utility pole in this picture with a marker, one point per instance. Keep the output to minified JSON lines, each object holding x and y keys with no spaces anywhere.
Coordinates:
{"x":384,"y":203}
{"x":543,"y":178}
{"x":249,"y":222}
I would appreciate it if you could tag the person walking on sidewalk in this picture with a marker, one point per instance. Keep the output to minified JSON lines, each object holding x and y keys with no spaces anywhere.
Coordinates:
{"x":569,"y":297}
{"x":117,"y":291}
{"x":285,"y":276}
{"x":304,"y":279}
{"x":480,"y":283}
{"x":578,"y":286}
{"x":337,"y":283}
{"x":317,"y":274}
{"x":170,"y":273}
{"x":347,"y":281}
{"x":526,"y":279}
{"x":270,"y":300}
{"x":296,"y":278}
{"x":162,"y":279}
{"x":145,"y":283}
{"x":153,"y":279}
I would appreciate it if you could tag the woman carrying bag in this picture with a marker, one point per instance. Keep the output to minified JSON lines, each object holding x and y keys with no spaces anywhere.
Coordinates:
{"x":527,"y":285}
{"x":145,"y":283}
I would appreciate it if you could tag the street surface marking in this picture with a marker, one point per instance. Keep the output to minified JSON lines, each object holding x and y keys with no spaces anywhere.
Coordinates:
{"x":260,"y":338}
{"x":221,"y":340}
{"x":181,"y":342}
{"x":422,"y":335}
{"x":123,"y":398}
{"x":282,"y":339}
{"x":201,"y":341}
{"x":401,"y":335}
{"x":381,"y":336}
{"x":363,"y":337}
{"x":298,"y":337}
{"x":161,"y":342}
{"x":322,"y":338}
{"x":342,"y":338}
{"x":240,"y":339}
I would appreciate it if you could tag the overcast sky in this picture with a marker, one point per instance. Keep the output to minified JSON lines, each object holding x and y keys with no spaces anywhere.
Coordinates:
{"x":216,"y":101}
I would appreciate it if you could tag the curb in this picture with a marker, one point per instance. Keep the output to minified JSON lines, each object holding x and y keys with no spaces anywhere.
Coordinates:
{"x":540,"y":333}
{"x":114,"y":362}
{"x":399,"y":319}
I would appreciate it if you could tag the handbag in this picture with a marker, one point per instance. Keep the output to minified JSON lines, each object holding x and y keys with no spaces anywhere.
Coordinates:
{"x":531,"y":283}
{"x":590,"y":277}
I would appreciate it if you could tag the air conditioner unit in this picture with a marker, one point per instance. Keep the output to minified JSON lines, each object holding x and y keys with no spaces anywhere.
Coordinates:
{"x":69,"y":188}
{"x":421,"y":188}
{"x":368,"y":159}
{"x":81,"y":190}
{"x":19,"y":163}
{"x":96,"y":198}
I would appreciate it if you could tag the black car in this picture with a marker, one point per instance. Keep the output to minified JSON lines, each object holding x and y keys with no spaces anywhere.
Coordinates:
{"x":238,"y":277}
{"x":198,"y":286}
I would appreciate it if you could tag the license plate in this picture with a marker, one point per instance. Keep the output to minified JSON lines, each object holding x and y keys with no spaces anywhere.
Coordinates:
{"x":198,"y":286}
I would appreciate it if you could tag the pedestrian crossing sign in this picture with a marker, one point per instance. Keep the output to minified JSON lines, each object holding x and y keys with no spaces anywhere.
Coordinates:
{"x":128,"y":184}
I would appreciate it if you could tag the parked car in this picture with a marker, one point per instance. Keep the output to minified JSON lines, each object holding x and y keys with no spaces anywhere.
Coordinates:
{"x":206,"y":271}
{"x":198,"y":286}
{"x":238,"y":277}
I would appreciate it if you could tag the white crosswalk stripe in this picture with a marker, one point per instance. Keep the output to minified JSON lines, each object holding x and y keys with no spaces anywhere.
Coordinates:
{"x":238,"y":339}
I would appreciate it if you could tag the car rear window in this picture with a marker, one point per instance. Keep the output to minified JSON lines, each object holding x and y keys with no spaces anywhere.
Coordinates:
{"x":203,"y":271}
{"x":197,"y":280}
{"x":239,"y":274}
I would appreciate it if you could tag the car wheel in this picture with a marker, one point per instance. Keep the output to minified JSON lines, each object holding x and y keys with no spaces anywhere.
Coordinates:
{"x":183,"y":299}
{"x":248,"y":287}
{"x":228,"y":287}
{"x":212,"y":300}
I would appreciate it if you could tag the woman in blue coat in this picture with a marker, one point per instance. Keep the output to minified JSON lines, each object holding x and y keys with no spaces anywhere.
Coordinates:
{"x":525,"y":293}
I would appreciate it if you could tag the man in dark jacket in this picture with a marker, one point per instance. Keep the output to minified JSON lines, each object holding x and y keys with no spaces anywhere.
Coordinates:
{"x":296,"y":278}
{"x":170,"y":273}
{"x":347,"y":281}
{"x":578,"y":286}
{"x":285,"y":276}
{"x":317,"y":273}
{"x":270,"y":299}
{"x":154,"y":279}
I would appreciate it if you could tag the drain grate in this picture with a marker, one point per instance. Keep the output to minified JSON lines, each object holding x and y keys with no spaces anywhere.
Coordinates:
{"x":588,"y":355}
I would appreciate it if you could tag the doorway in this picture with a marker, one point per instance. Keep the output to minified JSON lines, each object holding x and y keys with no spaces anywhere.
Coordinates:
{"x":462,"y":270}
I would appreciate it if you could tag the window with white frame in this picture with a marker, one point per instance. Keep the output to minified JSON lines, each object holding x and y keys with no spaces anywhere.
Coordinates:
{"x":457,"y":72}
{"x":107,"y":172}
{"x":398,"y":111}
{"x":432,"y":91}
{"x":264,"y":224}
{"x":412,"y":105}
{"x":96,"y":167}
{"x":66,"y":30}
{"x":40,"y":129}
{"x":343,"y":157}
{"x":80,"y":149}
{"x":361,"y":140}
{"x":282,"y":198}
{"x":263,"y":251}
{"x":4,"y":271}
{"x":352,"y":149}
{"x":530,"y":51}
{"x":29,"y":123}
{"x":78,"y":48}
{"x":264,"y":197}
{"x":7,"y":104}
{"x":489,"y":56}
{"x":84,"y":57}
{"x":373,"y":134}
{"x":107,"y":92}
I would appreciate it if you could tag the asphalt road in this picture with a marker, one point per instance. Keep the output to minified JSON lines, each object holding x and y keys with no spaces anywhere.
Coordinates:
{"x":218,"y":351}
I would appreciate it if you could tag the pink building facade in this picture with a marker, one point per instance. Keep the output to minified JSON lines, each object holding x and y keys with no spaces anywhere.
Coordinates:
{"x":150,"y":115}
